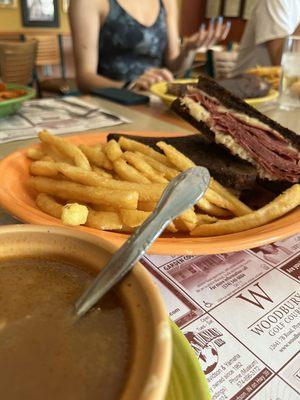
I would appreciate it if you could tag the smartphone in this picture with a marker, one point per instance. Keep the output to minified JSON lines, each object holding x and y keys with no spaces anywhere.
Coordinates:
{"x":121,"y":96}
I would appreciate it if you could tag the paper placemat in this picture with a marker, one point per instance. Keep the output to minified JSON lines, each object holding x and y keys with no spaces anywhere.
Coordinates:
{"x":59,"y":115}
{"x":241,"y":314}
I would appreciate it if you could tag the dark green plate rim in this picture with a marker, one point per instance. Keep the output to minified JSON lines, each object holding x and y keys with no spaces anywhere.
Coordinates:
{"x":187,"y":381}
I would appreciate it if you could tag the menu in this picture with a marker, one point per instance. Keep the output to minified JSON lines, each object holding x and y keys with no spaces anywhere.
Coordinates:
{"x":60,"y":115}
{"x":241,"y":314}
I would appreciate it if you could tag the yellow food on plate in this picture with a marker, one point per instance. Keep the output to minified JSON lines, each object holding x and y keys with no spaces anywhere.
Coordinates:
{"x":104,"y":220}
{"x":66,"y":190}
{"x":74,"y":214}
{"x":133,"y":218}
{"x":44,"y":168}
{"x":34,"y":154}
{"x":113,"y":150}
{"x":101,"y":172}
{"x":168,"y":172}
{"x":116,"y":186}
{"x":129,"y":173}
{"x":132,"y":145}
{"x":96,"y":156}
{"x":49,"y":205}
{"x":217,"y":198}
{"x":66,"y":148}
{"x":271,"y":74}
{"x":145,"y":168}
{"x":284,"y":203}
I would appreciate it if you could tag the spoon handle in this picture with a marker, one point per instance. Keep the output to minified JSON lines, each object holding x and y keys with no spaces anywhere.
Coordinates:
{"x":181,"y":193}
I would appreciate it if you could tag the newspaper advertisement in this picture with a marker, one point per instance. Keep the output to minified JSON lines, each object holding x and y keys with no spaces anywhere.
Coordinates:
{"x":59,"y":115}
{"x":241,"y":314}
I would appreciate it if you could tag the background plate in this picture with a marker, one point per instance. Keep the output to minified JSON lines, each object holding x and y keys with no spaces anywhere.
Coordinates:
{"x":18,"y":200}
{"x":9,"y":107}
{"x":160,"y":89}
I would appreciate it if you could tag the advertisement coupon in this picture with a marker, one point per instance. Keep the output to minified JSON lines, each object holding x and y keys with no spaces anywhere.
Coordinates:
{"x":241,"y":314}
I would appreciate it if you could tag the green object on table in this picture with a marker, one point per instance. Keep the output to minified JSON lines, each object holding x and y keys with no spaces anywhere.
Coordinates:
{"x":8,"y":107}
{"x":187,"y":381}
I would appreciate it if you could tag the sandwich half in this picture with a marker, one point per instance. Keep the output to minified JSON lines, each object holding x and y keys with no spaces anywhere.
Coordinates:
{"x":242,"y":130}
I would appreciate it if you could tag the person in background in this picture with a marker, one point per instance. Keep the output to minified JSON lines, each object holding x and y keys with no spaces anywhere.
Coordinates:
{"x":263,"y":39}
{"x":133,"y":44}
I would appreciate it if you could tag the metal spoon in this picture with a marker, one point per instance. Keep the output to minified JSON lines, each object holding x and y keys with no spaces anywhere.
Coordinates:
{"x":181,"y":193}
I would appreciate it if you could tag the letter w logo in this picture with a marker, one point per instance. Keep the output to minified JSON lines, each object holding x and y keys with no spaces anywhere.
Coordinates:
{"x":255,"y":295}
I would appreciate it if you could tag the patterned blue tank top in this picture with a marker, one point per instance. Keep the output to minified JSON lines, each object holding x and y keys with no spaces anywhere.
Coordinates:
{"x":127,"y":48}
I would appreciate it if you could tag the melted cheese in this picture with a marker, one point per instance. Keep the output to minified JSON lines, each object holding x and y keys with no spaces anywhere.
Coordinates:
{"x":230,"y":143}
{"x":196,"y":110}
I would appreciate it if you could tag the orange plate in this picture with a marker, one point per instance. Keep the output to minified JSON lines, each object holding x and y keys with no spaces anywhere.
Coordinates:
{"x":19,"y":201}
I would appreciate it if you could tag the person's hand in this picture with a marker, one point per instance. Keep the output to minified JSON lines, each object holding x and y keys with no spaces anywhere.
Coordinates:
{"x":207,"y":37}
{"x":151,"y":76}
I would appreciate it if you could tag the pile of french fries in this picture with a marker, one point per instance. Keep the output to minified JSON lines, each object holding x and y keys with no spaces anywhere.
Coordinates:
{"x":115,"y":186}
{"x":271,"y":74}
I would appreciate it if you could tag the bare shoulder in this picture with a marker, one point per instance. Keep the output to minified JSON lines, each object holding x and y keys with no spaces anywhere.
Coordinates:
{"x":170,"y":6}
{"x":97,"y":6}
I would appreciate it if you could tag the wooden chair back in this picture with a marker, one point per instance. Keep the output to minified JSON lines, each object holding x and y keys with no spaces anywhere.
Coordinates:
{"x":10,"y":37}
{"x":17,"y":61}
{"x":48,"y":49}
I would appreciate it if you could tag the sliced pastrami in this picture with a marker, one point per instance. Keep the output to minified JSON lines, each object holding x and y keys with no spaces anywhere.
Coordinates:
{"x":269,"y":149}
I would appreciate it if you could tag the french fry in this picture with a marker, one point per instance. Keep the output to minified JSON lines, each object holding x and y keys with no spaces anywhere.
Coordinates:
{"x":168,"y":172}
{"x":211,"y":209}
{"x":133,"y":218}
{"x":183,"y":226}
{"x":47,"y":158}
{"x":142,"y":166}
{"x":67,"y":148}
{"x":129,"y":173}
{"x":133,"y":145}
{"x":44,"y":168}
{"x":218,"y":200}
{"x":171,"y":227}
{"x":216,"y":193}
{"x":103,"y":207}
{"x":74,"y":214}
{"x":189,"y":216}
{"x":124,"y":198}
{"x":79,"y":175}
{"x":177,"y":159}
{"x":146,"y":192}
{"x":104,"y":220}
{"x":113,"y":150}
{"x":96,"y":156}
{"x":206,"y":219}
{"x":239,"y":208}
{"x":49,"y":205}
{"x":281,"y":205}
{"x":34,"y":153}
{"x":55,"y":154}
{"x":146,"y":205}
{"x":101,"y":172}
{"x":76,"y":192}
{"x":99,"y":145}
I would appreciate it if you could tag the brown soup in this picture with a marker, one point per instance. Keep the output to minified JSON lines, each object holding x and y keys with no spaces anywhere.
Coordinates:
{"x":43,"y":353}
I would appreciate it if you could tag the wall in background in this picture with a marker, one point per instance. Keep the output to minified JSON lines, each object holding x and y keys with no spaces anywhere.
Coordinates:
{"x":191,"y":20}
{"x":11,"y":20}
